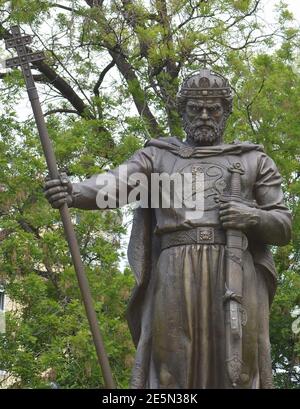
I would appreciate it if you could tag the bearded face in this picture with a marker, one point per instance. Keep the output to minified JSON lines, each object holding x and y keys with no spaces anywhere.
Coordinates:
{"x":204,"y":121}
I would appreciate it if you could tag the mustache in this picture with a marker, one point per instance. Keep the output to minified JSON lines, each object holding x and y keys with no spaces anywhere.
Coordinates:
{"x":199,"y":123}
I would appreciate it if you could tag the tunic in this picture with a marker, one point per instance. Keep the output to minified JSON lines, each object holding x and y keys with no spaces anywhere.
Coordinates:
{"x":176,"y":314}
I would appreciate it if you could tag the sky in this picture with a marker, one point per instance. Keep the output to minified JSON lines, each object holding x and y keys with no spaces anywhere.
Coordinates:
{"x":293,"y":5}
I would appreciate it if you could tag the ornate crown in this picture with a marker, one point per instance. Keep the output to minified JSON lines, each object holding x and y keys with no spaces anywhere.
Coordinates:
{"x":205,"y":83}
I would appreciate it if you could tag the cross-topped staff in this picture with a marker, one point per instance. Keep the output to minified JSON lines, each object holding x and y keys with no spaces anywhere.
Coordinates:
{"x":202,"y":59}
{"x":24,"y":59}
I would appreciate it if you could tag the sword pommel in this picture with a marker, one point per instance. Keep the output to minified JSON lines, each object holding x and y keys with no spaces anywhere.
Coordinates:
{"x":236,"y":168}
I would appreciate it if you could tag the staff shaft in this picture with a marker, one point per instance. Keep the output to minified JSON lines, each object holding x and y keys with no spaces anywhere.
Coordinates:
{"x":72,"y":242}
{"x":24,"y":59}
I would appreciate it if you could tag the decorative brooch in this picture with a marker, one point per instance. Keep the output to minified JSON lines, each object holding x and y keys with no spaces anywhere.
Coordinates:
{"x":186,"y":152}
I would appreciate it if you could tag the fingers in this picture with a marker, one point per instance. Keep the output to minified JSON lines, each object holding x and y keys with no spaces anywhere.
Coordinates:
{"x":227,"y":212}
{"x":228,"y":218}
{"x":225,"y":205}
{"x":232,"y":208}
{"x":52,"y":183}
{"x":58,"y":191}
{"x":64,"y":179}
{"x":53,"y":190}
{"x":58,"y":199}
{"x":230,"y":212}
{"x":59,"y":203}
{"x":229,"y":209}
{"x":57,"y":196}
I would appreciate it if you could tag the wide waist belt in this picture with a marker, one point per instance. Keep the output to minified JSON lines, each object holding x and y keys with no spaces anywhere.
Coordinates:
{"x":198,"y":235}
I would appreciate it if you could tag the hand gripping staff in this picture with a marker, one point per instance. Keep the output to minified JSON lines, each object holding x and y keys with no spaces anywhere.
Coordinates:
{"x":24,"y":58}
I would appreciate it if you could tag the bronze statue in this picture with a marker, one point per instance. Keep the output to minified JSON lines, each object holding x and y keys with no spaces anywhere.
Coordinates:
{"x":199,"y":314}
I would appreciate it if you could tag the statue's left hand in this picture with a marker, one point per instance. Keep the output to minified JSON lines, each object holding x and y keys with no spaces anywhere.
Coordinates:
{"x":236,"y":215}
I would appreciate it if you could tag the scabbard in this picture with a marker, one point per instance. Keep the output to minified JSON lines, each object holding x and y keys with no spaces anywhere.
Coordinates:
{"x":233,"y":306}
{"x":235,"y":316}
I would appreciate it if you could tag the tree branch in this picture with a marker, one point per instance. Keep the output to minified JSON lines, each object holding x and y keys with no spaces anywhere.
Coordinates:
{"x":136,"y":92}
{"x":36,"y":77}
{"x":252,"y":11}
{"x":63,"y":7}
{"x":63,"y":66}
{"x":248,"y":42}
{"x":129,"y":75}
{"x":63,"y":111}
{"x":28,"y":228}
{"x":131,"y":19}
{"x":167,"y":62}
{"x":248,"y":107}
{"x":58,"y":82}
{"x":94,"y":3}
{"x":101,"y":77}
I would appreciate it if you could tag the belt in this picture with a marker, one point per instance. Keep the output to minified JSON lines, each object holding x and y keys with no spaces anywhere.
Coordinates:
{"x":198,"y":235}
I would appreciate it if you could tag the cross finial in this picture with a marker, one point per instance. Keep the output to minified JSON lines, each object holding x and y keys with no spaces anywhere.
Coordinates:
{"x":203,"y":59}
{"x":20,"y":42}
{"x":24,"y":55}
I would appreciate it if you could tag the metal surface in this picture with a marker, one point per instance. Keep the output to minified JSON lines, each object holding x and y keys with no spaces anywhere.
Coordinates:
{"x":24,"y":59}
{"x":234,"y":288}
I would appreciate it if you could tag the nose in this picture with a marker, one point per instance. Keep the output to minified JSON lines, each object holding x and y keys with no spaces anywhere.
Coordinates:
{"x":204,"y":114}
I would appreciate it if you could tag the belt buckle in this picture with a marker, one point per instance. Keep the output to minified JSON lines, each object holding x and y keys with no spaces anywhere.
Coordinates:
{"x":205,"y":234}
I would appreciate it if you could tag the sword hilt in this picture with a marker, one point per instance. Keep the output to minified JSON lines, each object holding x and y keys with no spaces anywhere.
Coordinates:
{"x":236,"y":186}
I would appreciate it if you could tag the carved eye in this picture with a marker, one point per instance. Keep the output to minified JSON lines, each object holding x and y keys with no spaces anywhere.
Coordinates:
{"x":216,"y":108}
{"x":193,"y":108}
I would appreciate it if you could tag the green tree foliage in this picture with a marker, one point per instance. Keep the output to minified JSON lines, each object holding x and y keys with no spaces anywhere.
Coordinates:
{"x":109,"y":82}
{"x":47,"y":328}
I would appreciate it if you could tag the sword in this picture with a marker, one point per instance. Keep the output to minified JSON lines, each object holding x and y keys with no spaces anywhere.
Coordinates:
{"x":23,"y":59}
{"x":235,"y":315}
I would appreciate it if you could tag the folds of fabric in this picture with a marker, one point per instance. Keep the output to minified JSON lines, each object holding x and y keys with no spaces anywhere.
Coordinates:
{"x":183,"y":344}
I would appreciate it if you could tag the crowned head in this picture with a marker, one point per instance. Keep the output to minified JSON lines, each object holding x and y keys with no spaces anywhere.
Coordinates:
{"x":205,"y":103}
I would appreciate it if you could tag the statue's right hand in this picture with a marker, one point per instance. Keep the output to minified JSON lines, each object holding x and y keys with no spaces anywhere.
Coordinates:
{"x":58,"y":191}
